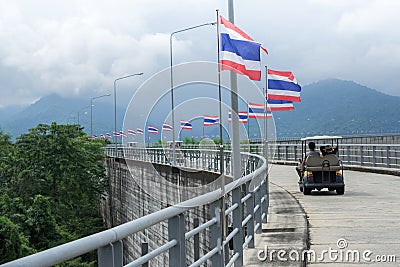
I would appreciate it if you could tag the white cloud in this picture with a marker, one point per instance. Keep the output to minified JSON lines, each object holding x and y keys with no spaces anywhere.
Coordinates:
{"x":80,"y":47}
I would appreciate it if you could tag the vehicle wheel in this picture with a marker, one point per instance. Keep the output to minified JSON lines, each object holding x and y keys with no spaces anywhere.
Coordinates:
{"x":301,"y":189}
{"x":340,"y":191}
{"x":306,"y":191}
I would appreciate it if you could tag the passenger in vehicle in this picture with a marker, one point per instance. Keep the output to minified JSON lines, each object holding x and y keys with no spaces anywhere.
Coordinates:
{"x":312,"y":152}
{"x":326,"y":150}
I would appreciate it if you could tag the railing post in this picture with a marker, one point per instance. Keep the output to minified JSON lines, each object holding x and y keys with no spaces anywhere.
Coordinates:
{"x":257,"y":214}
{"x":196,"y":240}
{"x":374,"y":155}
{"x":110,"y":255}
{"x":176,"y":230}
{"x":361,"y":155}
{"x":348,"y":154}
{"x":145,"y":250}
{"x":388,"y":156}
{"x":264,"y":193}
{"x":237,"y":218}
{"x":250,"y":211}
{"x":295,"y":153}
{"x":216,"y":233}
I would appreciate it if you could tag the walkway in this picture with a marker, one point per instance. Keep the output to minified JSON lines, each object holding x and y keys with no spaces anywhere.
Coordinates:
{"x":360,"y":227}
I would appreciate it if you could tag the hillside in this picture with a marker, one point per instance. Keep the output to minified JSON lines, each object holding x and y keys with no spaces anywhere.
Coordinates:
{"x":328,"y":107}
{"x":340,"y":107}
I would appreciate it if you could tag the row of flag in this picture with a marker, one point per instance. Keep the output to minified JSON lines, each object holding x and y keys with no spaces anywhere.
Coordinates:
{"x":241,"y":54}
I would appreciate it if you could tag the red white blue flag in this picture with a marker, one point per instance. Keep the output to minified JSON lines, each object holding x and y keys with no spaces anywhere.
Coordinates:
{"x":279,"y":105}
{"x":166,"y":127}
{"x":131,"y":132}
{"x":186,"y":125}
{"x":108,"y":136}
{"x":242,"y":116}
{"x":117,"y":134}
{"x":282,"y":85}
{"x":102,"y":136}
{"x":210,"y":120}
{"x":139,"y":131}
{"x":239,"y":52}
{"x":121,"y":133}
{"x":152,"y":130}
{"x":257,"y":111}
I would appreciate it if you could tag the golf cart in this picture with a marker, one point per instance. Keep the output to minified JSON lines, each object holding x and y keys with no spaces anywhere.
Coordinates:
{"x":324,"y":171}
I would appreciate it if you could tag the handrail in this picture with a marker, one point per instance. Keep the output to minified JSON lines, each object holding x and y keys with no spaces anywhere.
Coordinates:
{"x":108,"y":237}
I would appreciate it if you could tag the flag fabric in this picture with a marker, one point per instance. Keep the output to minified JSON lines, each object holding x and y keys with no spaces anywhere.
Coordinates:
{"x":282,"y":85}
{"x":131,"y":132}
{"x":239,"y":52}
{"x":152,"y":130}
{"x":166,"y":127}
{"x":242,"y":116}
{"x":139,"y":131}
{"x":117,"y":134}
{"x":256,"y":111}
{"x":102,"y":136}
{"x":108,"y":135}
{"x":186,"y":125}
{"x":210,"y":120}
{"x":279,"y":105}
{"x":121,"y":133}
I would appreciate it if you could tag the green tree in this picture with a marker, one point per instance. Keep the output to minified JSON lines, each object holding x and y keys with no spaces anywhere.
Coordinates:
{"x":13,"y":244}
{"x":6,"y":159}
{"x":59,"y":162}
{"x":42,"y":227}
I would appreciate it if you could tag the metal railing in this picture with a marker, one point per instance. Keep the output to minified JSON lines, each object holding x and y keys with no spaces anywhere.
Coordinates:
{"x":247,"y":210}
{"x":365,"y":155}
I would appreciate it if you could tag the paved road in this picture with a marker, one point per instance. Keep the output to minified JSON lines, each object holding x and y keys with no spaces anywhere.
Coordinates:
{"x":366,"y":219}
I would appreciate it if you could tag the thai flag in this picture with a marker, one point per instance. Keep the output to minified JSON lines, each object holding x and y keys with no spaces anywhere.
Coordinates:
{"x":166,"y":127}
{"x":279,"y":105}
{"x":108,"y":135}
{"x":121,"y":133}
{"x":139,"y":131}
{"x":102,"y":136}
{"x":131,"y":132}
{"x":152,"y":130}
{"x":117,"y":134}
{"x":282,"y":85}
{"x":256,"y":111}
{"x":239,"y":52}
{"x":242,"y":116}
{"x":186,"y":125}
{"x":210,"y":120}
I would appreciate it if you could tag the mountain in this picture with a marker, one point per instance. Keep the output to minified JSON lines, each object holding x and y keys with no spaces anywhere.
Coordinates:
{"x":328,"y":107}
{"x":54,"y":108}
{"x":339,"y":107}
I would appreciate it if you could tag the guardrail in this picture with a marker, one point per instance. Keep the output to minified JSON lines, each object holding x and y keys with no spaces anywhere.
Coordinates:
{"x":245,"y":206}
{"x":365,"y":155}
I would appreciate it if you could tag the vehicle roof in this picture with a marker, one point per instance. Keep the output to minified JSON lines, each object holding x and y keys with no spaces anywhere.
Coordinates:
{"x":320,"y":137}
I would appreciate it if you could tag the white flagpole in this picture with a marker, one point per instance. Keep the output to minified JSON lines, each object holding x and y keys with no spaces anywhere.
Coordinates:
{"x":266,"y":132}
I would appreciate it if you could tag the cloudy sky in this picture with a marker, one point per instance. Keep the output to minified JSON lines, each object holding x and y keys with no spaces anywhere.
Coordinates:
{"x":78,"y":48}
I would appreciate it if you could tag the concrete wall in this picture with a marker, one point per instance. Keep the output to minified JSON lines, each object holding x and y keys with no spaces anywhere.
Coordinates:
{"x":127,"y":200}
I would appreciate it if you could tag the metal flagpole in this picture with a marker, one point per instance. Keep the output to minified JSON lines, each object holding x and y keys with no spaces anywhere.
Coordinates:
{"x":266,"y":134}
{"x":221,"y":141}
{"x":248,"y":122}
{"x":237,"y":215}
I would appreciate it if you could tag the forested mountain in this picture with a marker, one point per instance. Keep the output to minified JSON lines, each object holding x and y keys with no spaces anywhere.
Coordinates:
{"x":328,"y":107}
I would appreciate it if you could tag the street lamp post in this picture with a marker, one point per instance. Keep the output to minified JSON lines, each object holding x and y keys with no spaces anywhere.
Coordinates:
{"x":115,"y":103}
{"x":91,"y":111}
{"x":172,"y":82}
{"x":112,"y":204}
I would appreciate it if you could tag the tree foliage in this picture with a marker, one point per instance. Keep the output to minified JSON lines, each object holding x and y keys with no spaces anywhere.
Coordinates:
{"x":52,"y":180}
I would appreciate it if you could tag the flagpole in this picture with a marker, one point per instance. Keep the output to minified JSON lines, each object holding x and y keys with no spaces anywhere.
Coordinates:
{"x":248,"y":121}
{"x":221,"y":142}
{"x":266,"y":135}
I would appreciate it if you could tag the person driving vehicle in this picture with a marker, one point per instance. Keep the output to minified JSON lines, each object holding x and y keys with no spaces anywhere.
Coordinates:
{"x":312,"y":152}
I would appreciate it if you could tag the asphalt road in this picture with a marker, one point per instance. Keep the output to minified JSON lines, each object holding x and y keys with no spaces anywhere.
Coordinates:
{"x":361,"y":227}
